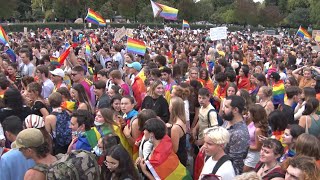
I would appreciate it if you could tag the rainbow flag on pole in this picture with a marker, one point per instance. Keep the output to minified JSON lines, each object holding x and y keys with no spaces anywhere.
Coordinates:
{"x":95,"y":18}
{"x":185,"y":24}
{"x":136,"y":46}
{"x":164,"y":11}
{"x":303,"y":33}
{"x":164,"y":164}
{"x":3,"y":36}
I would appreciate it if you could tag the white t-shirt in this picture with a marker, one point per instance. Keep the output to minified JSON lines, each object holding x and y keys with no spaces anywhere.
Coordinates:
{"x":283,"y":76}
{"x":47,"y":88}
{"x":225,"y":171}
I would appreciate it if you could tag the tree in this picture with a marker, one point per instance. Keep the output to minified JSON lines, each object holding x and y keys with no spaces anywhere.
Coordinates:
{"x":246,"y":12}
{"x":315,"y":12}
{"x":187,"y":10}
{"x":294,"y":4}
{"x":270,"y":15}
{"x":66,"y":10}
{"x":204,"y":10}
{"x":7,"y":8}
{"x":299,"y":16}
{"x":106,"y":11}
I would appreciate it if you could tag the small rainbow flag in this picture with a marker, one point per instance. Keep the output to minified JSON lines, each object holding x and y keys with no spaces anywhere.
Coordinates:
{"x":136,"y":46}
{"x":54,"y":61}
{"x":88,"y":50}
{"x":164,"y":163}
{"x":185,"y":24}
{"x":3,"y":36}
{"x":303,"y":33}
{"x":95,"y":18}
{"x":60,"y":60}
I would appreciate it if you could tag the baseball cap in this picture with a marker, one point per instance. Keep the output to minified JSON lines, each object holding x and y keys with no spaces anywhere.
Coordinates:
{"x":58,"y":72}
{"x":27,"y":138}
{"x":275,"y":76}
{"x":135,"y":65}
{"x":34,"y":121}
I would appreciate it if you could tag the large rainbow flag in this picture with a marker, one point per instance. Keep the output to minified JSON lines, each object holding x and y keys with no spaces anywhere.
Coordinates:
{"x":278,"y":92}
{"x":303,"y":33}
{"x":136,"y":46}
{"x":3,"y":36}
{"x":164,"y":11}
{"x":95,"y":18}
{"x":165,"y":164}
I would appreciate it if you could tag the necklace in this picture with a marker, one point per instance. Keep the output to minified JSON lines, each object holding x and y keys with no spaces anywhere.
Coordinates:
{"x":264,"y":172}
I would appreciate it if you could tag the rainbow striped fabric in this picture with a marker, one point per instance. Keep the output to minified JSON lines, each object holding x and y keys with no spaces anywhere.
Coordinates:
{"x":168,"y":12}
{"x":136,"y":47}
{"x":164,"y":11}
{"x":95,"y":18}
{"x":3,"y":36}
{"x":165,"y":164}
{"x":303,"y":33}
{"x":185,"y":24}
{"x":278,"y":92}
{"x":88,"y":49}
{"x":11,"y":54}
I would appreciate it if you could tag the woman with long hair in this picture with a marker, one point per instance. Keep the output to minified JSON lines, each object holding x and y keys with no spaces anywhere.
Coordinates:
{"x":257,"y":126}
{"x":309,"y":119}
{"x":156,"y":101}
{"x":194,"y":102}
{"x":177,"y":128}
{"x":306,"y":94}
{"x":183,"y":93}
{"x":242,"y":80}
{"x":308,"y":145}
{"x":206,"y":80}
{"x":247,"y":98}
{"x":265,"y":96}
{"x":116,"y":106}
{"x":79,"y":94}
{"x":38,"y":106}
{"x":120,"y":164}
{"x":13,"y":75}
{"x":13,"y":105}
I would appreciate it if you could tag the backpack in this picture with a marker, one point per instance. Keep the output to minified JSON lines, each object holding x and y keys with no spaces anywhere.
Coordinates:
{"x":63,"y":132}
{"x":220,"y":162}
{"x":78,"y":165}
{"x":219,"y":118}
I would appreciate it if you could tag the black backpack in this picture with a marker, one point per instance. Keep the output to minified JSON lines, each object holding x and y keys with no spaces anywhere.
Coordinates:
{"x":219,"y":118}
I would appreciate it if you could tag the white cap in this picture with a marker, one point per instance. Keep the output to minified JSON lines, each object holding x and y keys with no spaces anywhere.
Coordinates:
{"x":58,"y":72}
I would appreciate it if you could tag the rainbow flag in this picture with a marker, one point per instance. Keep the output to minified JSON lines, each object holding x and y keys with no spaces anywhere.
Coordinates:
{"x":185,"y":24}
{"x":136,"y":46}
{"x":3,"y":36}
{"x":303,"y":33}
{"x":68,"y":105}
{"x":54,"y":61}
{"x":165,"y":164}
{"x":278,"y":92}
{"x":11,"y":55}
{"x":95,"y":18}
{"x":88,"y":50}
{"x":60,"y":60}
{"x":164,"y":11}
{"x":168,"y":12}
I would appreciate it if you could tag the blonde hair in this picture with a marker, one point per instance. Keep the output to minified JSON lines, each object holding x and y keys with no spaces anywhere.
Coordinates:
{"x":248,"y":176}
{"x":267,"y":91}
{"x":153,"y":87}
{"x":218,"y":135}
{"x":177,"y":110}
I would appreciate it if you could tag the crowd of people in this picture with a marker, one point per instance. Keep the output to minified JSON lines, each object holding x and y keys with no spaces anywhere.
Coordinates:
{"x":246,"y":107}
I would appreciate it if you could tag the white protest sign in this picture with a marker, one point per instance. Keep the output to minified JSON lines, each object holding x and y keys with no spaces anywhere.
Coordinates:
{"x":218,"y":33}
{"x":120,"y":33}
{"x":130,"y":32}
{"x":25,"y":30}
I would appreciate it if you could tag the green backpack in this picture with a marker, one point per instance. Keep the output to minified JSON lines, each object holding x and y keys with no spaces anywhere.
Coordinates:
{"x":78,"y":165}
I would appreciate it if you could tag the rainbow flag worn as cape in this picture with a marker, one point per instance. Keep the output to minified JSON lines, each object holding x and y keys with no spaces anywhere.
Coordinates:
{"x":303,"y":33}
{"x":278,"y":92}
{"x":3,"y":36}
{"x":165,"y":164}
{"x":185,"y":24}
{"x":95,"y":18}
{"x":136,"y":47}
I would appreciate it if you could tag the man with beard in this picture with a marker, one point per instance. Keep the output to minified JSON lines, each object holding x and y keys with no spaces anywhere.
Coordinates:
{"x":238,"y":146}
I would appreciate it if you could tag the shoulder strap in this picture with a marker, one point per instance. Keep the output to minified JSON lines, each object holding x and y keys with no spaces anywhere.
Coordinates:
{"x":181,"y":128}
{"x":220,"y":162}
{"x":209,"y":122}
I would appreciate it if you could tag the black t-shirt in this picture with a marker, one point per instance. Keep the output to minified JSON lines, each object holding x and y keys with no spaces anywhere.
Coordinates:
{"x":36,"y":108}
{"x":22,"y":114}
{"x":159,"y":105}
